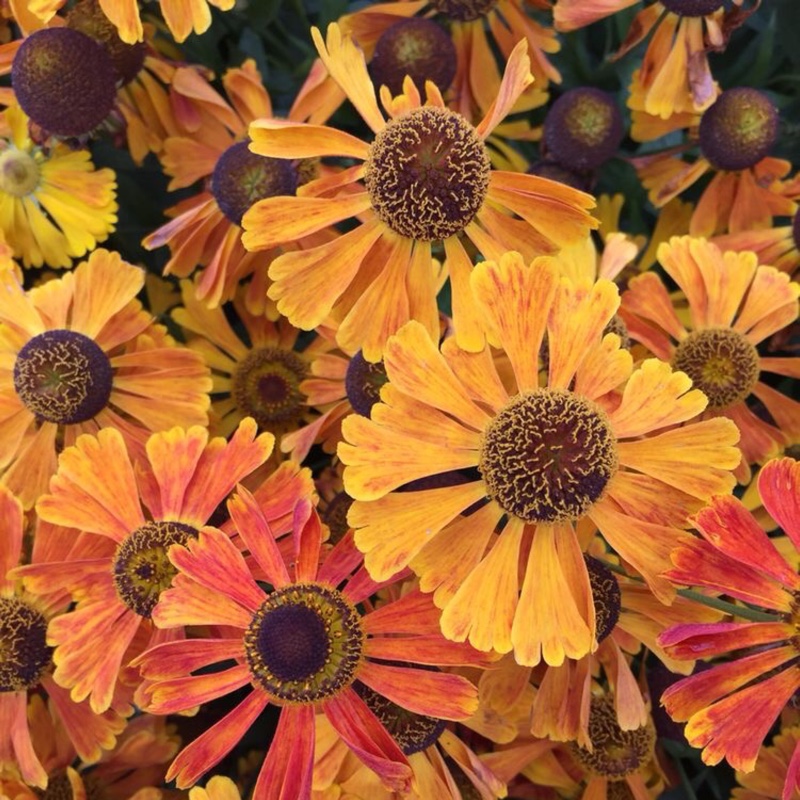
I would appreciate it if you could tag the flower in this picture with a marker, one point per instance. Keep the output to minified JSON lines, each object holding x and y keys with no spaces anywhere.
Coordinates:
{"x":675,"y":76}
{"x":26,"y":663}
{"x":622,"y":463}
{"x":731,"y":707}
{"x":54,"y":205}
{"x":302,"y":644}
{"x":129,"y":519}
{"x":775,"y":775}
{"x":79,"y":353}
{"x":379,"y":275}
{"x":181,"y":19}
{"x":206,"y":228}
{"x":730,"y":140}
{"x":733,"y":305}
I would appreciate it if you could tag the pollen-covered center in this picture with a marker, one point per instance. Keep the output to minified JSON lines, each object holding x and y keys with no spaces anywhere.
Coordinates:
{"x":305,"y":643}
{"x":739,"y":129}
{"x":64,"y":81}
{"x":142,"y":569}
{"x":241,"y":178}
{"x":416,"y":47}
{"x":266,"y":386}
{"x":721,"y":362}
{"x":24,"y":654}
{"x":19,"y":172}
{"x":427,"y":174}
{"x":692,"y":8}
{"x":363,"y":382}
{"x":63,"y":376}
{"x":412,"y":732}
{"x":548,"y":455}
{"x":606,"y":596}
{"x":583,"y":129}
{"x":464,"y":10}
{"x":616,"y":753}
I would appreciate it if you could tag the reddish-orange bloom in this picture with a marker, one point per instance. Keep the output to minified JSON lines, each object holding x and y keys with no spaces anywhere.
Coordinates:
{"x":776,"y":776}
{"x":26,"y":662}
{"x":129,"y":517}
{"x":206,"y":228}
{"x":623,"y":462}
{"x":301,"y":645}
{"x":381,"y":274}
{"x":733,"y":306}
{"x":79,"y":354}
{"x":731,"y":707}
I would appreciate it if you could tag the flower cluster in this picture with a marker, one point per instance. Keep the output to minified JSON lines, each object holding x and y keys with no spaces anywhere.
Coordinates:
{"x":398,"y":400}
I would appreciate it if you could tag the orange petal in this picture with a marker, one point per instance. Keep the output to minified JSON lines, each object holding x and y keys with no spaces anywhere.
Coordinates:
{"x":779,"y":487}
{"x":516,"y":300}
{"x":282,"y":138}
{"x":516,"y":78}
{"x":173,"y":695}
{"x":484,"y":607}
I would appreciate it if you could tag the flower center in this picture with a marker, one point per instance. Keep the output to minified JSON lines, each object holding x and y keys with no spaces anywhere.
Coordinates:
{"x":616,"y":753}
{"x":606,"y":596}
{"x":87,"y":17}
{"x":692,"y":8}
{"x":427,"y":174}
{"x":266,"y":386}
{"x":412,"y":732}
{"x":142,"y":569}
{"x":739,"y":129}
{"x":19,"y":172}
{"x":464,"y":10}
{"x":721,"y":363}
{"x":241,"y":178}
{"x":583,"y":129}
{"x":363,"y":383}
{"x":552,"y":170}
{"x":58,"y":788}
{"x":619,"y":790}
{"x":548,"y":455}
{"x":335,"y":516}
{"x":64,"y":81}
{"x":305,"y":643}
{"x":24,"y":654}
{"x":416,"y":47}
{"x":63,"y":377}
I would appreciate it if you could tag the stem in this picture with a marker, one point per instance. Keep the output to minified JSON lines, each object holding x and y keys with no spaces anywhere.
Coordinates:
{"x":746,"y":612}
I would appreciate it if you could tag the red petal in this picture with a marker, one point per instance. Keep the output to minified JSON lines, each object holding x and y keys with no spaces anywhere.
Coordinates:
{"x":287,"y":771}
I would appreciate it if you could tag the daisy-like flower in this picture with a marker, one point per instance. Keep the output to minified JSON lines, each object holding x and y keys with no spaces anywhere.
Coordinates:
{"x":182,"y":18}
{"x":731,"y":141}
{"x":300,"y":645}
{"x":136,"y":515}
{"x":449,"y":42}
{"x":380,"y":274}
{"x":54,"y":205}
{"x":131,"y":771}
{"x":258,"y":373}
{"x":206,"y":228}
{"x":620,"y":459}
{"x":734,"y":304}
{"x":675,"y":76}
{"x":81,"y":354}
{"x":26,"y":663}
{"x":730,"y":708}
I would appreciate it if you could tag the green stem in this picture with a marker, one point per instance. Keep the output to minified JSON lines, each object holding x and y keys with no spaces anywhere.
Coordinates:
{"x":746,"y":612}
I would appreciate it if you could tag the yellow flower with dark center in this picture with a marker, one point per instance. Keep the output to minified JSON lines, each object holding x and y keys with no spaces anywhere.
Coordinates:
{"x":54,"y":205}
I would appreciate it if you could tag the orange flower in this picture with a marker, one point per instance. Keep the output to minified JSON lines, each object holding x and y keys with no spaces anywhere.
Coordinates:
{"x":731,"y":707}
{"x":380,"y":274}
{"x":81,"y":354}
{"x":206,"y":230}
{"x":182,"y":18}
{"x":733,"y":305}
{"x":776,"y":774}
{"x":26,"y":664}
{"x":129,"y":520}
{"x":730,"y":140}
{"x":622,"y":464}
{"x":303,"y":644}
